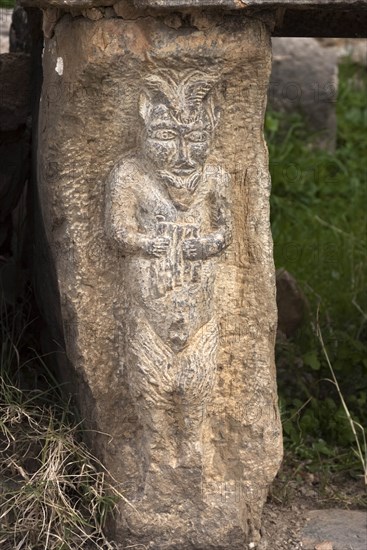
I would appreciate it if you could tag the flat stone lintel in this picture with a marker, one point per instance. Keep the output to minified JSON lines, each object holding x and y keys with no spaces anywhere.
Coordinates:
{"x":328,"y":18}
{"x":350,"y":5}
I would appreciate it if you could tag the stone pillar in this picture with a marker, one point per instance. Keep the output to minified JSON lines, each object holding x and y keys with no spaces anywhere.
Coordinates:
{"x":154,"y":187}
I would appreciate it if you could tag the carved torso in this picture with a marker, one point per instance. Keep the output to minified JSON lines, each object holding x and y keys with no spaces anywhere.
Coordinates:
{"x":180,"y":288}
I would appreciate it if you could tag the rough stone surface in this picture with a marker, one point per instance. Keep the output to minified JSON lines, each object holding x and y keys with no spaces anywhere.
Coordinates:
{"x":331,"y":18}
{"x":154,"y":187}
{"x":305,"y":79}
{"x":335,"y":530}
{"x":324,"y":546}
{"x":192,"y":3}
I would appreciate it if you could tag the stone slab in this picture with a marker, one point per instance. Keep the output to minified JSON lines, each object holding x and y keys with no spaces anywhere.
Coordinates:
{"x":246,"y":4}
{"x":337,"y":18}
{"x":305,"y":79}
{"x":232,"y":4}
{"x":344,"y":529}
{"x":332,"y":18}
{"x":154,"y":186}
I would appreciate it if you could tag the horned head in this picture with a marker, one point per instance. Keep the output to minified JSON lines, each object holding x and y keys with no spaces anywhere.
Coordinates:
{"x":185,"y":97}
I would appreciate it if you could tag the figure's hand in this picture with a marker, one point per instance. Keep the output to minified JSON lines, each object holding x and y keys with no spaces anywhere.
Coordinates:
{"x":193,"y":181}
{"x":158,"y":247}
{"x":193,"y":249}
{"x":201,"y":249}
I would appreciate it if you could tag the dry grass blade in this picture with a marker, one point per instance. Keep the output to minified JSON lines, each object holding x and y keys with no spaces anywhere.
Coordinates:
{"x":54,"y":495}
{"x":361,"y":450}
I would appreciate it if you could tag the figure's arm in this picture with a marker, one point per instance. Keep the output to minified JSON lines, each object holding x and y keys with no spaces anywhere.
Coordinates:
{"x":120,"y":216}
{"x":120,"y":220}
{"x":221,"y":220}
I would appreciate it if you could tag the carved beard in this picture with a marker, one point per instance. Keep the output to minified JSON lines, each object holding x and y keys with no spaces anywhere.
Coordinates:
{"x":180,"y":189}
{"x":171,"y":180}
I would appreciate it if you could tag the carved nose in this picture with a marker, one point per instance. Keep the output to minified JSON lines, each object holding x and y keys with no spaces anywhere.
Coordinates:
{"x":183,"y":157}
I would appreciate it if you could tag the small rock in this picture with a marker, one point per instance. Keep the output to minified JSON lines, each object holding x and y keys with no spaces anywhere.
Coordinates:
{"x":311,"y":478}
{"x":126,"y":10}
{"x":174,"y":21}
{"x":308,"y":492}
{"x":202,"y":21}
{"x":94,"y":14}
{"x":109,"y":13}
{"x":324,"y":546}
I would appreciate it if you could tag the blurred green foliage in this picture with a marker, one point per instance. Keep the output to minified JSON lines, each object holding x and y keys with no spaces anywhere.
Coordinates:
{"x":319,"y":225}
{"x":7,"y":3}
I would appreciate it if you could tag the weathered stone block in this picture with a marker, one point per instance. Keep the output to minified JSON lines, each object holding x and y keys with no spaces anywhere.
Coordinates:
{"x":305,"y":79}
{"x":154,"y":187}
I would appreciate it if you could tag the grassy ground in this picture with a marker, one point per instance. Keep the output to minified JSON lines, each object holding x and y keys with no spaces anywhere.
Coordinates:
{"x":54,"y":495}
{"x":319,"y":225}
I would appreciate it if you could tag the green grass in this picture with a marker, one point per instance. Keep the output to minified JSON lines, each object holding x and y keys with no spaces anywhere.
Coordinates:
{"x":319,"y":225}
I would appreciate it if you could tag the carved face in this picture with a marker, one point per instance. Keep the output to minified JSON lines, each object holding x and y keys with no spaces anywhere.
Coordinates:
{"x":176,"y":146}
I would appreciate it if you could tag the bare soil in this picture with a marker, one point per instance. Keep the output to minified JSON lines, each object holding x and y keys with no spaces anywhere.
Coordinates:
{"x":295,"y":493}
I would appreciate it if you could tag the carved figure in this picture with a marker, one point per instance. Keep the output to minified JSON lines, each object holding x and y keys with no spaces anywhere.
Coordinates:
{"x":168,"y":211}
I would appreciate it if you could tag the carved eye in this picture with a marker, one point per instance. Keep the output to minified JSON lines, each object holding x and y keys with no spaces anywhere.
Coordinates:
{"x":198,"y":136}
{"x":163,"y":135}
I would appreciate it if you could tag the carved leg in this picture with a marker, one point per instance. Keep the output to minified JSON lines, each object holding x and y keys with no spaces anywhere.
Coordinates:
{"x":196,"y":368}
{"x":150,"y":375}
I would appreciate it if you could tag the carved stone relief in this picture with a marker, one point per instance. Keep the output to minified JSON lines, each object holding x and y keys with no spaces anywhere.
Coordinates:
{"x":154,"y":189}
{"x":168,"y":211}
